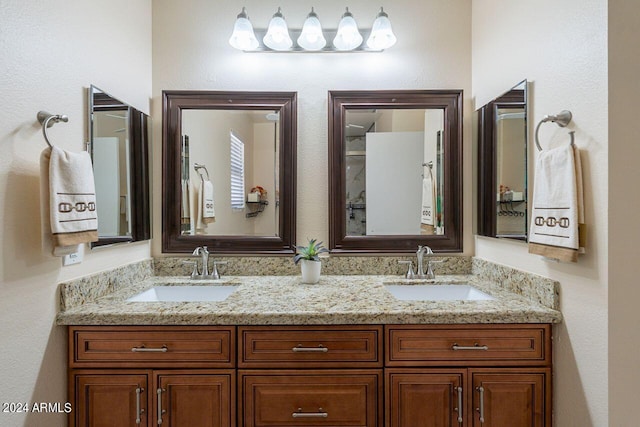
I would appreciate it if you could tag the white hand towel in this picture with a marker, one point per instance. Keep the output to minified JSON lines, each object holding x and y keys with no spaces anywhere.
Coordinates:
{"x":557,"y":204}
{"x":426,"y":217}
{"x":69,"y":199}
{"x":206,"y":194}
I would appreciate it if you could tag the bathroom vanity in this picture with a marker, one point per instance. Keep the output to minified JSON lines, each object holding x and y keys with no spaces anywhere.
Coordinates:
{"x":344,"y":352}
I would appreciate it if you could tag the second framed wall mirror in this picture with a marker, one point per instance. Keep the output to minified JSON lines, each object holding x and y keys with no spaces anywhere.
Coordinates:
{"x":501,"y":134}
{"x":229,"y":171}
{"x":395,"y":171}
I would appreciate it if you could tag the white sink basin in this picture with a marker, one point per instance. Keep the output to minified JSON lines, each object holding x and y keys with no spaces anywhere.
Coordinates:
{"x":184,"y":293}
{"x":437,"y":293}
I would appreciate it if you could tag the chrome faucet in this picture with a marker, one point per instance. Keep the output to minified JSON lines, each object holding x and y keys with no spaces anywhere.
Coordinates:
{"x":203,"y":272}
{"x":422,"y":251}
{"x":203,"y":252}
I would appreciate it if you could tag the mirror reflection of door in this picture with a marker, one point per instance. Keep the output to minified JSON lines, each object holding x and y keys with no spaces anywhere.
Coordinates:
{"x":230,"y":172}
{"x":111,"y":159}
{"x":394,"y":172}
{"x":511,"y":146}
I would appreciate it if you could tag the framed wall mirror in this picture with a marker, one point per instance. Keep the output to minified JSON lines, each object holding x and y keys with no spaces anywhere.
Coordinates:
{"x":229,"y":171}
{"x":501,"y":136}
{"x":119,"y":138}
{"x":395,"y":171}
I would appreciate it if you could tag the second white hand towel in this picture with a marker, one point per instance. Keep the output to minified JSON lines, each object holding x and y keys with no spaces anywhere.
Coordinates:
{"x":556,"y":207}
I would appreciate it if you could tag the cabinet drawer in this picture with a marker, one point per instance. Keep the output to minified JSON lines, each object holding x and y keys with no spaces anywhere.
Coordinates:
{"x":307,"y":346}
{"x":149,"y":346}
{"x":469,"y":345}
{"x":311,"y":398}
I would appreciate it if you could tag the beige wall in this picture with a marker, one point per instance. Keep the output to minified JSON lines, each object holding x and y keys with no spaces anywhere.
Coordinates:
{"x":624,"y":202}
{"x":49,"y":58}
{"x":191,"y":52}
{"x":561,"y":47}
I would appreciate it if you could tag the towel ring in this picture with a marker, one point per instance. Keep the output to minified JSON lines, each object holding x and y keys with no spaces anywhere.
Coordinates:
{"x":47,"y":120}
{"x":562,"y":119}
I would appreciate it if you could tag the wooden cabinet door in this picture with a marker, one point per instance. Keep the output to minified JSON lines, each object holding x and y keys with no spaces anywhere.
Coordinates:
{"x":194,"y":399}
{"x":107,"y":399}
{"x":425,"y":398}
{"x":511,"y":398}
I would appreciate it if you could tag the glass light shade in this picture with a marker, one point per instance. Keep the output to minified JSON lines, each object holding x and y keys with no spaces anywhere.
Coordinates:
{"x":277,"y":37}
{"x":311,"y":37}
{"x":382,"y":36}
{"x":348,"y":36}
{"x":243,"y":37}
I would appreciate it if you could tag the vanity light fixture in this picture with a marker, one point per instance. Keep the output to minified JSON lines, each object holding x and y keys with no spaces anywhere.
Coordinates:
{"x":348,"y":36}
{"x":243,"y":37}
{"x":311,"y":37}
{"x":381,"y":36}
{"x":277,"y":38}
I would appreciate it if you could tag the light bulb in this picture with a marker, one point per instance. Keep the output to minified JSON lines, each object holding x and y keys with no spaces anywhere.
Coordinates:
{"x":243,"y":37}
{"x":348,"y":36}
{"x":382,"y":36}
{"x":277,"y":37}
{"x":311,"y":37}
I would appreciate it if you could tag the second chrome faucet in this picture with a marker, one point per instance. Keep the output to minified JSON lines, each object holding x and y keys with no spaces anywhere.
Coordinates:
{"x":203,"y":271}
{"x":421,"y":274}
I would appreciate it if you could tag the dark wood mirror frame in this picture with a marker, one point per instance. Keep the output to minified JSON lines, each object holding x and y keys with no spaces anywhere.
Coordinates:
{"x":139,"y":169}
{"x":448,"y":100}
{"x":173,"y":103}
{"x":487,"y":158}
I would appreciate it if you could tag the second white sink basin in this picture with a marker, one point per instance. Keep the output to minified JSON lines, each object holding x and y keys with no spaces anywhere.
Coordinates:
{"x":437,"y":293}
{"x":184,"y":294}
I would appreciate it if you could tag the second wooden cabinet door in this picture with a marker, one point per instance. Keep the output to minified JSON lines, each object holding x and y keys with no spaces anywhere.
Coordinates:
{"x":415,"y":398}
{"x":202,"y":400}
{"x":508,"y":398}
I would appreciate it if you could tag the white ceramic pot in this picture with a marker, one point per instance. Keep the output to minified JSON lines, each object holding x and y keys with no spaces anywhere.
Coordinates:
{"x":310,"y":271}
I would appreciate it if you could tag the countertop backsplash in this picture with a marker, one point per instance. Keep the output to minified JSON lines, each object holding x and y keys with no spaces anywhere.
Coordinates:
{"x":87,"y":289}
{"x":335,"y":265}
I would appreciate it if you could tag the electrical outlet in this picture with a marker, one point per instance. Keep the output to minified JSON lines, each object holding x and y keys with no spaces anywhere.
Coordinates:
{"x":74,"y":258}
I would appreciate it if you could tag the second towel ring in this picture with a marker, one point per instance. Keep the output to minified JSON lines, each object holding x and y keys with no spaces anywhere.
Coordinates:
{"x":47,"y":120}
{"x":562,"y":119}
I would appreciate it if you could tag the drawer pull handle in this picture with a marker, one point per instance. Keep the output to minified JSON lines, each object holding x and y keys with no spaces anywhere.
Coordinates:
{"x":319,"y":414}
{"x":139,"y":410}
{"x":143,"y":349}
{"x":459,"y":408}
{"x":481,"y":409}
{"x":476,"y":346}
{"x":319,"y":349}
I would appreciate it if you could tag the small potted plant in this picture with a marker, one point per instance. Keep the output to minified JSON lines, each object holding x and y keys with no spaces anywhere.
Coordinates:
{"x":311,"y":265}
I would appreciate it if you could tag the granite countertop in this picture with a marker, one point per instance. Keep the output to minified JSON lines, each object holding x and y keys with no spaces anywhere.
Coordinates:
{"x":283,"y":300}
